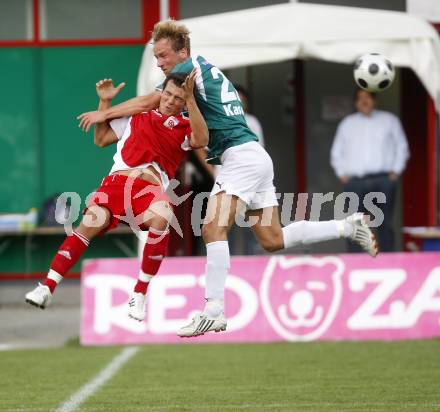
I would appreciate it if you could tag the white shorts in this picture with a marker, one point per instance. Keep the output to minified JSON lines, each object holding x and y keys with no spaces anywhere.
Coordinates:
{"x":247,"y":172}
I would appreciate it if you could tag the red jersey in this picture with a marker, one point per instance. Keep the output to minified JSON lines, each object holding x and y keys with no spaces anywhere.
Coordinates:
{"x":151,"y":139}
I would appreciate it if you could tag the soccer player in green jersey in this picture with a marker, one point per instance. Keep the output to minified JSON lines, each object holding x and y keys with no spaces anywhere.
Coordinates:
{"x":245,"y":179}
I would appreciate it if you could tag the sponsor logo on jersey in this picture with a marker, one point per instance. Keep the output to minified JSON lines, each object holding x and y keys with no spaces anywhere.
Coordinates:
{"x":171,"y":122}
{"x":231,"y":110}
{"x":207,"y":64}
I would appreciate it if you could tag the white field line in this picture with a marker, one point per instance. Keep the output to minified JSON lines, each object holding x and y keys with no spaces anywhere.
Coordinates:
{"x":9,"y":346}
{"x":92,"y":386}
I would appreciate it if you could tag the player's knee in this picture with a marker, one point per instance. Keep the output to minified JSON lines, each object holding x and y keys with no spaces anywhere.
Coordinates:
{"x":159,"y":215}
{"x":159,"y":223}
{"x":94,"y":221}
{"x":270,"y":247}
{"x":207,"y":232}
{"x":272,"y":244}
{"x":212,"y":232}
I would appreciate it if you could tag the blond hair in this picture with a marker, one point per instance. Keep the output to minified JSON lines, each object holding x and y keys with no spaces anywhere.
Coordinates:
{"x":177,"y":33}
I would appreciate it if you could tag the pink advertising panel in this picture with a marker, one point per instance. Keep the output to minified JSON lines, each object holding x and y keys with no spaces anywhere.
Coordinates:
{"x":270,"y":298}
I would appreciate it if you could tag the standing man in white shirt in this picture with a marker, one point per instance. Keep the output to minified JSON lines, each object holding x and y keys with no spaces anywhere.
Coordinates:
{"x":369,"y":153}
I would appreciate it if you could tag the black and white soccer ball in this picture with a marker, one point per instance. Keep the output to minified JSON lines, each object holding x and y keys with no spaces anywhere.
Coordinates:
{"x":373,"y":72}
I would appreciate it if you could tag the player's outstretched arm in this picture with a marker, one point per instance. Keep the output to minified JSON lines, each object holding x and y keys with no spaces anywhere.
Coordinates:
{"x":200,"y":133}
{"x":104,"y":134}
{"x":128,"y":108}
{"x":201,"y":155}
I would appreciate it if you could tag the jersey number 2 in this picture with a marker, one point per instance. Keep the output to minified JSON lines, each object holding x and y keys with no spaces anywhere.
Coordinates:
{"x":226,"y":96}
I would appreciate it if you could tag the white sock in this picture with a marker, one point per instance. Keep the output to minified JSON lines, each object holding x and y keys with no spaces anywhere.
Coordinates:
{"x":144,"y":277}
{"x":217,"y":267}
{"x":55,"y":276}
{"x":214,"y":307}
{"x":305,"y":232}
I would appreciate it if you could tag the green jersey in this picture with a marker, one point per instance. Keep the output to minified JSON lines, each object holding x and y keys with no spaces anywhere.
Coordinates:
{"x":220,"y":106}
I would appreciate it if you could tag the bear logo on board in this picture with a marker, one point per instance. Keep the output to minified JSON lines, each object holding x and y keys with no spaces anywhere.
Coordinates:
{"x":301,"y":296}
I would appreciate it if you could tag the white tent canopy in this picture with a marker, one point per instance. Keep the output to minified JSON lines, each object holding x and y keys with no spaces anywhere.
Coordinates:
{"x":288,"y":31}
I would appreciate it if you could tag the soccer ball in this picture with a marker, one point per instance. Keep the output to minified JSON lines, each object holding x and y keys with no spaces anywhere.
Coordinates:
{"x":373,"y":72}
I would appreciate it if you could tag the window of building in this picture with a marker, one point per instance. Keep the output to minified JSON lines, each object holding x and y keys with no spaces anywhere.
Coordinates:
{"x":90,"y":19}
{"x":16,"y":20}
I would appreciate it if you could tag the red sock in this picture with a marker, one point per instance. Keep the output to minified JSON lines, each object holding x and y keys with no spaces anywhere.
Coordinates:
{"x":51,"y":284}
{"x":68,"y":254}
{"x":154,"y":251}
{"x":141,"y":287}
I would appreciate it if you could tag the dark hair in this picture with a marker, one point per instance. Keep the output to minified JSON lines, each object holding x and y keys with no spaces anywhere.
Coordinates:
{"x":242,"y":90}
{"x":176,"y":78}
{"x":373,"y":95}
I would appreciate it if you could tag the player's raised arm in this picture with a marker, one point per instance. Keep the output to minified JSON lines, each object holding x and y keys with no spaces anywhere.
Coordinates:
{"x":128,"y":108}
{"x":104,"y":134}
{"x":200,"y":133}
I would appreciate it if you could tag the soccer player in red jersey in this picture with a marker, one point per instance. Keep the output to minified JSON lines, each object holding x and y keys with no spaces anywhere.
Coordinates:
{"x":150,"y":147}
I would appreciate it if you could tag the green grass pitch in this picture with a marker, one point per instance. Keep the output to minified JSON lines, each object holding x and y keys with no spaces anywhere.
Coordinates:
{"x":350,"y":376}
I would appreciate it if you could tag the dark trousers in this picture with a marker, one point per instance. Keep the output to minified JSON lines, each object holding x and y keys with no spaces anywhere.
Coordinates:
{"x":377,"y":182}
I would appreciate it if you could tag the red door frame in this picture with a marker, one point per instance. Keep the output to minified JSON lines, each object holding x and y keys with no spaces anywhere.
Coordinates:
{"x":420,"y":183}
{"x":300,"y":128}
{"x":432,"y":124}
{"x":432,"y":164}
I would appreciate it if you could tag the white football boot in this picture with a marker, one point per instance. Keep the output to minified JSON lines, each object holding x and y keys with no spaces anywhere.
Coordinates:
{"x":362,"y":234}
{"x":136,"y":306}
{"x":40,"y":296}
{"x":201,"y":324}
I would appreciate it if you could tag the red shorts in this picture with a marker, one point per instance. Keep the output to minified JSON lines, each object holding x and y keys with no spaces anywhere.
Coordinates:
{"x":127,"y":199}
